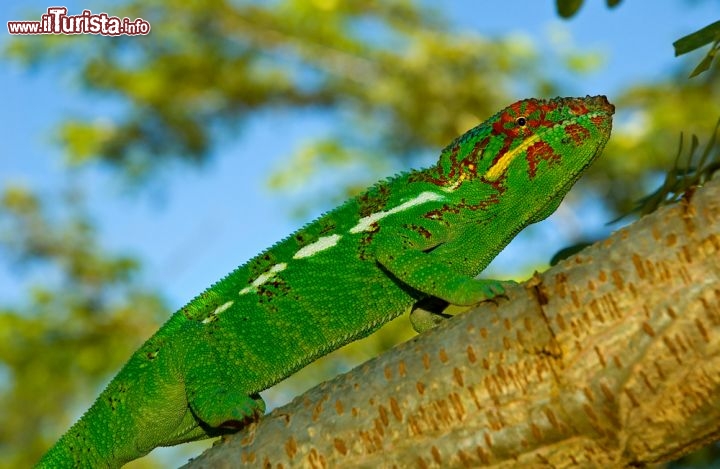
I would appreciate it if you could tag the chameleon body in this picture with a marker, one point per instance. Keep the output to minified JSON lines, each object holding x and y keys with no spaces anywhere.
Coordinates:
{"x":421,"y":234}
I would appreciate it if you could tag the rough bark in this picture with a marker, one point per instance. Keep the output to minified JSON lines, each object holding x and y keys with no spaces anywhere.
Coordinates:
{"x":609,"y":359}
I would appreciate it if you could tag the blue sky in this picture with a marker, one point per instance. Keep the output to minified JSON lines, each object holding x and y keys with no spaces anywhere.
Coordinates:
{"x":178,"y":227}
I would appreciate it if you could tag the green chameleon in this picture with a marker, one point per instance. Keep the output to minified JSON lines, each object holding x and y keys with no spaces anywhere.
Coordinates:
{"x":418,"y":235}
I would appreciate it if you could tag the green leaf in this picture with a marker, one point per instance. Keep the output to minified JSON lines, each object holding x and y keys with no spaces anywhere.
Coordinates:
{"x":697,"y":39}
{"x":613,"y":3}
{"x":705,"y":62}
{"x":568,"y":8}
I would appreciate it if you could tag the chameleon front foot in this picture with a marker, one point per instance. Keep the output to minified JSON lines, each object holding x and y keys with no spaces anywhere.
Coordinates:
{"x":488,"y":290}
{"x":465,"y":291}
{"x":430,"y":312}
{"x":431,"y":276}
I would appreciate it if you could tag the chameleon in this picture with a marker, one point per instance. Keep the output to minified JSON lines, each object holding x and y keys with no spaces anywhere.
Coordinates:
{"x":422,"y":234}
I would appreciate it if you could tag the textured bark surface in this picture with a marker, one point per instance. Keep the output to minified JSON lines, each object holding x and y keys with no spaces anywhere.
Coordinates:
{"x":610,"y":359}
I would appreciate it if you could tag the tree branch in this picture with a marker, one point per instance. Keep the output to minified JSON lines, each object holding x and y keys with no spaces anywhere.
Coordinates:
{"x":611,"y":358}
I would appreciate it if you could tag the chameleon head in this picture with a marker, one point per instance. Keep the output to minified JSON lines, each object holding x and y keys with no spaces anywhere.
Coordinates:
{"x":547,"y":146}
{"x":535,"y":140}
{"x":532,"y":150}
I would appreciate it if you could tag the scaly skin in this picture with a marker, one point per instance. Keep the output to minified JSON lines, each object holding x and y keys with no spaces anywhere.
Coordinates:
{"x":420,"y":234}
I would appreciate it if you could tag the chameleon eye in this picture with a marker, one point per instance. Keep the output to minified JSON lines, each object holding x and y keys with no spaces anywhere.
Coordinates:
{"x":521,"y":121}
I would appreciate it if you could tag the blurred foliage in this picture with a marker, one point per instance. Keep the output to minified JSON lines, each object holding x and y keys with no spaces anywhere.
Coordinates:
{"x":82,"y":318}
{"x":688,"y":173}
{"x":208,"y":65}
{"x":646,"y":128}
{"x":399,"y":81}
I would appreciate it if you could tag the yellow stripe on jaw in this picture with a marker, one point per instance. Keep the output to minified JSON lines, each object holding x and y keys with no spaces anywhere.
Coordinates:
{"x":497,"y":170}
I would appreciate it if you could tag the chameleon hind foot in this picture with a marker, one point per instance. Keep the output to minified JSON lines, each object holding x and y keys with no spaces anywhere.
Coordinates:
{"x":225,"y":408}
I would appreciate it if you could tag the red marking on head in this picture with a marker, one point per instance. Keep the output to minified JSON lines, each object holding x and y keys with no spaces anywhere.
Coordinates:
{"x":499,"y":126}
{"x":545,"y":108}
{"x":577,"y":132}
{"x":535,"y":113}
{"x":537,"y":152}
{"x":507,"y":125}
{"x":599,"y":121}
{"x":469,"y":163}
{"x":578,"y":107}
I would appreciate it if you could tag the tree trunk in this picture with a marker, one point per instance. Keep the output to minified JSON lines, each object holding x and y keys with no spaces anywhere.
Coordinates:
{"x":609,"y":359}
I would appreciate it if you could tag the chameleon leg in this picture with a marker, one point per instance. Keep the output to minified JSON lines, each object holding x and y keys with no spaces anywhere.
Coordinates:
{"x":221,"y":407}
{"x":431,"y":276}
{"x":215,"y":394}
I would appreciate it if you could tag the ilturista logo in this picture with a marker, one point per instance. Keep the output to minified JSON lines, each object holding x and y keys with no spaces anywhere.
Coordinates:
{"x":57,"y":21}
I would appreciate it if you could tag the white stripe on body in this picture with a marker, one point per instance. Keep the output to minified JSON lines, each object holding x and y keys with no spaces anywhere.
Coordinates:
{"x":263,"y":278}
{"x":365,"y":223}
{"x":326,"y":242}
